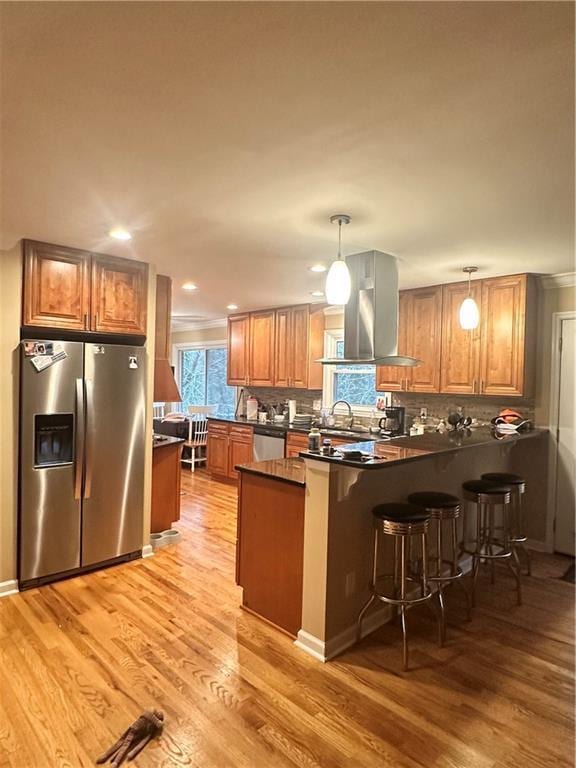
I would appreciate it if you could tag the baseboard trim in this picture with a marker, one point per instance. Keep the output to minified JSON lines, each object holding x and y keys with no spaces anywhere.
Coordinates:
{"x":9,"y":587}
{"x":147,"y":550}
{"x":311,"y":645}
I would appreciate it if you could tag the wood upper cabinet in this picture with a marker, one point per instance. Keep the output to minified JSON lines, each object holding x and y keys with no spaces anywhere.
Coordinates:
{"x":261,"y":349}
{"x":505,"y":362}
{"x":460,"y":358}
{"x":424,"y":326}
{"x":300,"y":347}
{"x":76,"y":290}
{"x":238,"y":346}
{"x":118,"y":295}
{"x":56,"y":287}
{"x":393,"y":378}
{"x":283,"y":354}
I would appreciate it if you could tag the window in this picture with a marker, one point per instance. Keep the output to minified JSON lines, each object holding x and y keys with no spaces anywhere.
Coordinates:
{"x":202,"y":379}
{"x":354,"y":383}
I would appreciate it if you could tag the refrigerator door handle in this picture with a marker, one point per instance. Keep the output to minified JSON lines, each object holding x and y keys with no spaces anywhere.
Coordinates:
{"x":80,"y":439}
{"x":89,"y":421}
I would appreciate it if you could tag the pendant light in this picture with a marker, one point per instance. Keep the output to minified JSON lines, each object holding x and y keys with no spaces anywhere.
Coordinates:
{"x":338,"y":282}
{"x":469,"y":313}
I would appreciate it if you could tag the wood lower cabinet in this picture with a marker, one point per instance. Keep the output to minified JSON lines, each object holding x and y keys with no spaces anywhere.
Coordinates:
{"x":56,"y":287}
{"x":165,"y":486}
{"x":296,"y":442}
{"x":261,"y":354}
{"x":238,"y":347}
{"x":270,"y":549}
{"x":228,"y":445}
{"x":75,"y":290}
{"x":460,"y":357}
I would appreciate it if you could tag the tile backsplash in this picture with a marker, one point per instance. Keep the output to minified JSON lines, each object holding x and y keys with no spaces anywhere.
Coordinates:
{"x":439,"y":406}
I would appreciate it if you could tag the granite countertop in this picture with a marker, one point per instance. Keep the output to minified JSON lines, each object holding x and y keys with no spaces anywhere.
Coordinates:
{"x":285,"y":470}
{"x":283,"y":427}
{"x":383,"y":453}
{"x":159,"y":441}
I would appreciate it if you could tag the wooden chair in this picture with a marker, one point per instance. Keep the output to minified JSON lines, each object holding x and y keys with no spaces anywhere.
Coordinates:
{"x":197,"y":433}
{"x":158,"y":410}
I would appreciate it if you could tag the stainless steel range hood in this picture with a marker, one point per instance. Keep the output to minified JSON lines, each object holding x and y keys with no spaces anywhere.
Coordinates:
{"x":371,"y":315}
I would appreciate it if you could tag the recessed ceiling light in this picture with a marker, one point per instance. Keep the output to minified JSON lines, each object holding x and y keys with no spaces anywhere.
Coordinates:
{"x":120,"y":234}
{"x":189,"y":286}
{"x":232,"y":306}
{"x":316,"y":293}
{"x":317,"y":268}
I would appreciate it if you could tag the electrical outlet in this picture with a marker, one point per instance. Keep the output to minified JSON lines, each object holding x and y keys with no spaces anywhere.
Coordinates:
{"x":423,"y":412}
{"x":350,"y":584}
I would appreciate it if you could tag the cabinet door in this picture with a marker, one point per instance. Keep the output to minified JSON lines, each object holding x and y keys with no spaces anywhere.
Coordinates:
{"x":261,"y":360}
{"x":503,"y":316}
{"x":424,"y":338}
{"x":460,"y":356}
{"x":394,"y":378}
{"x":283,"y":348}
{"x":299,"y":345}
{"x":238,"y":346}
{"x":240,"y":452}
{"x":56,"y":286}
{"x":119,"y":295}
{"x":217,"y":454}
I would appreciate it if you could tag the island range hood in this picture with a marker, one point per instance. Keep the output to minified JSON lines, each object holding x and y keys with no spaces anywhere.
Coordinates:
{"x":371,"y":315}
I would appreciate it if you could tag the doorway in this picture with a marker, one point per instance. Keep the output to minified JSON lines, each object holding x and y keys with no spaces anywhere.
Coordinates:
{"x":562,"y":422}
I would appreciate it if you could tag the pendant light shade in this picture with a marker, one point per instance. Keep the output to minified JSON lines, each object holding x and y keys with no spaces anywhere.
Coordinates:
{"x":469,"y":314}
{"x":338,"y":281}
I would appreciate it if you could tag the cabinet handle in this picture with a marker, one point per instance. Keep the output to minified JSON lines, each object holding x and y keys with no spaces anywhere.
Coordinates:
{"x":474,"y":387}
{"x":96,"y":321}
{"x":85,"y":320}
{"x":481,"y":388}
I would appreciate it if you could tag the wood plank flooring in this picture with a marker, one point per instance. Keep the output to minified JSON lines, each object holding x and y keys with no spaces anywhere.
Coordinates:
{"x":80,"y":659}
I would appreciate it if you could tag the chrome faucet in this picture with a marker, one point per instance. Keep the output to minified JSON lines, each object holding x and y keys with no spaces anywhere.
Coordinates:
{"x":350,"y":419}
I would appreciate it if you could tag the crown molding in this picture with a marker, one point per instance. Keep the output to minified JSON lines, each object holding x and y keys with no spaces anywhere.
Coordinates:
{"x":561,"y":280}
{"x":199,"y":325}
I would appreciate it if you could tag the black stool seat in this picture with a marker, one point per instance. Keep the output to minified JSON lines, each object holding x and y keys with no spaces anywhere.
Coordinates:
{"x":433,"y":500}
{"x":400,"y":512}
{"x":503,"y":477}
{"x":485,"y":486}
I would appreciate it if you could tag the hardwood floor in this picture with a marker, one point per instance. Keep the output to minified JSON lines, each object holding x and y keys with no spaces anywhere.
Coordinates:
{"x":80,"y":659}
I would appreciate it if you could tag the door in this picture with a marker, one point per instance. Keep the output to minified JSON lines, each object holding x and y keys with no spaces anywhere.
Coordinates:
{"x":56,"y":286}
{"x":460,"y":356}
{"x":261,"y":360}
{"x":502,"y":337}
{"x":394,"y":378}
{"x":238,"y":344}
{"x":283,"y":348}
{"x":217,"y":453}
{"x":300,"y":342}
{"x":566,"y":443}
{"x":115,"y":383}
{"x":241,"y":452}
{"x":50,"y":463}
{"x":424,"y":339}
{"x":119,"y":295}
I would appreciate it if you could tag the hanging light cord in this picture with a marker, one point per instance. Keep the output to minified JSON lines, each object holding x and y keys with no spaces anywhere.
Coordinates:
{"x":469,"y":285}
{"x":339,"y":239}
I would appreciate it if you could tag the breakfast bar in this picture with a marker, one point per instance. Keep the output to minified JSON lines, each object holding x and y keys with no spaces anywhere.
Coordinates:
{"x":336,"y":496}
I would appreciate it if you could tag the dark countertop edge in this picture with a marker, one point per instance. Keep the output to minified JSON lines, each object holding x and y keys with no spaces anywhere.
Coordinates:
{"x":380,"y":464}
{"x":169,"y":440}
{"x":277,"y":478}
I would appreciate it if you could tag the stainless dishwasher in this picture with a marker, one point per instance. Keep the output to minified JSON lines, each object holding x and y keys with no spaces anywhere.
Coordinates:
{"x":268,"y":443}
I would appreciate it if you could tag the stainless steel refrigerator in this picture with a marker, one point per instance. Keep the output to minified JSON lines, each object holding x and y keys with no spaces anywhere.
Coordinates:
{"x":82,"y":431}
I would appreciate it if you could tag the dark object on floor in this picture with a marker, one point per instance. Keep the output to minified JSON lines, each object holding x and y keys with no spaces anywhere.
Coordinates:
{"x":134,"y":738}
{"x":570,"y":575}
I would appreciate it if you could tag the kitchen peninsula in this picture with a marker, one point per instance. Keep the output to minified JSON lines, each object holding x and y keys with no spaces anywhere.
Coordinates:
{"x":329,"y":534}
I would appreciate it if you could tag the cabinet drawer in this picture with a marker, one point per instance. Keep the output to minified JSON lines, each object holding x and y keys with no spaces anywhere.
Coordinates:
{"x":218,"y":427}
{"x":241,"y":434}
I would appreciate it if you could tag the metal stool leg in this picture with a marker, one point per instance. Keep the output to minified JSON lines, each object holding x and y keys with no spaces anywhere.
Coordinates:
{"x":372,"y":586}
{"x":403,"y":606}
{"x":512,"y":562}
{"x":439,"y":586}
{"x":455,"y":566}
{"x":478,"y":551}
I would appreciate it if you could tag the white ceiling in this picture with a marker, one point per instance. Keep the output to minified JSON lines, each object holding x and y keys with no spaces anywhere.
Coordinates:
{"x":225,"y":134}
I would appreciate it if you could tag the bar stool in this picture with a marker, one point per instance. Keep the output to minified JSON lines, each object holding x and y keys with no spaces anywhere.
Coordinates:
{"x":517,"y":532}
{"x":444,"y":509}
{"x":488,"y":548}
{"x":404,"y":522}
